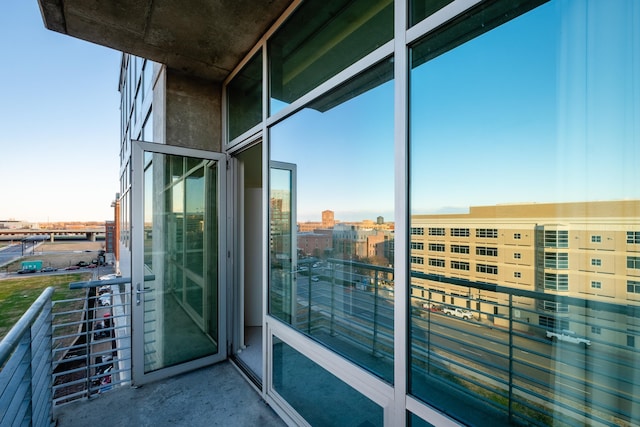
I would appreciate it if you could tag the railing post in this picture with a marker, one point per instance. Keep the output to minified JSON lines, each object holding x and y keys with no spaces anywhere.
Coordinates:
{"x":88,"y":318}
{"x":333,"y":303}
{"x":375,"y":312}
{"x":510,"y":356}
{"x":309,"y":303}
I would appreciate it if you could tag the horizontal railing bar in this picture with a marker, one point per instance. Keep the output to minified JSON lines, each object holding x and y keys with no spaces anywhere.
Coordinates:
{"x":98,"y":283}
{"x":565,"y":299}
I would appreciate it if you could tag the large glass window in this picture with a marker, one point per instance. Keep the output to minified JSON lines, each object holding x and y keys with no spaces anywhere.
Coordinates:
{"x":244,"y":98}
{"x":321,"y":39}
{"x":341,"y":148}
{"x":544,"y":95}
{"x":420,"y":9}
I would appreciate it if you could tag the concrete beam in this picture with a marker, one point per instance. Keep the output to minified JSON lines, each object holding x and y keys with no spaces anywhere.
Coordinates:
{"x":202,"y":38}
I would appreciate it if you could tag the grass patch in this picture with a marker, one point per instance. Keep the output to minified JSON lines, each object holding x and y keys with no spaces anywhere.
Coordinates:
{"x":17,"y":295}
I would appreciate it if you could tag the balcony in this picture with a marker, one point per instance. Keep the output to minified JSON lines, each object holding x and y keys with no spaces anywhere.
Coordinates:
{"x":501,"y":365}
{"x":69,"y":362}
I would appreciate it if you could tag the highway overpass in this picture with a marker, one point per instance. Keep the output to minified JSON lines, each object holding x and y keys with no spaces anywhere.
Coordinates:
{"x":50,"y":234}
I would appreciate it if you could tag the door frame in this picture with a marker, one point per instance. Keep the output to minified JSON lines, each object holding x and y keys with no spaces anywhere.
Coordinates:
{"x":138,"y":149}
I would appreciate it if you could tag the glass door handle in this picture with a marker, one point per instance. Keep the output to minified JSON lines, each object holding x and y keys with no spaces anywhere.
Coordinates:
{"x":140,"y":291}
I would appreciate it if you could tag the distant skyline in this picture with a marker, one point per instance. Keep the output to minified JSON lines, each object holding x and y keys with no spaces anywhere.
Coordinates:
{"x":60,"y":122}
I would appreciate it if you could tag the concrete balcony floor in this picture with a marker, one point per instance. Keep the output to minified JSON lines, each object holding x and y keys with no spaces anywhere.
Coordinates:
{"x":214,"y":396}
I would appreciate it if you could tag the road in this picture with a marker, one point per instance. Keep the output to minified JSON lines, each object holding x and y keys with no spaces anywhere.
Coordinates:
{"x":600,"y":373}
{"x":13,"y":252}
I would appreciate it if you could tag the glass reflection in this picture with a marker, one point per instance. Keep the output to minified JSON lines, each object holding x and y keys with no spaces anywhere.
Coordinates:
{"x":523,"y":168}
{"x":244,"y":98}
{"x":321,"y":39}
{"x":338,"y":271}
{"x":180,"y":313}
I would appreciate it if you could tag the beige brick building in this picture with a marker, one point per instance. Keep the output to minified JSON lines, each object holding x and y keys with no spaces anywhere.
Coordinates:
{"x":586,"y":250}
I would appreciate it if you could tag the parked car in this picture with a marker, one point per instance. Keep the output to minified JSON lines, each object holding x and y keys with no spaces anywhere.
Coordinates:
{"x":48,"y":269}
{"x":315,"y":278}
{"x":568,"y":336}
{"x":26,"y":270}
{"x":457,"y":312}
{"x":72,"y":267}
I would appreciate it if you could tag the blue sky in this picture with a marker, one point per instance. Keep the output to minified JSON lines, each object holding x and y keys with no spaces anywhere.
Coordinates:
{"x":542,"y":109}
{"x":59,"y":121}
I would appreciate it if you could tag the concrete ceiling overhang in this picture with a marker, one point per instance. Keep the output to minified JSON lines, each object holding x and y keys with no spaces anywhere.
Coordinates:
{"x":204,"y":38}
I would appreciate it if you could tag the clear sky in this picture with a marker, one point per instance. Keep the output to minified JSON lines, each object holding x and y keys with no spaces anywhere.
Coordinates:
{"x":542,"y":109}
{"x":59,"y":121}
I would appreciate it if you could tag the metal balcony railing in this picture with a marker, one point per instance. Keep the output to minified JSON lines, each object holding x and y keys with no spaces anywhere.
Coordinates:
{"x":507,"y":354}
{"x":64,"y":350}
{"x":91,"y":343}
{"x":25,"y":363}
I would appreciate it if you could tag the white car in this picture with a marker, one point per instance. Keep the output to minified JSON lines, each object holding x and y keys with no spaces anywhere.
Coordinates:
{"x":458,"y":312}
{"x":568,"y":336}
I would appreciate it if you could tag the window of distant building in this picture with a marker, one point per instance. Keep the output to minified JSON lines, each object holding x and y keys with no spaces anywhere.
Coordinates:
{"x":633,"y":286}
{"x":417,"y":260}
{"x":556,"y":282}
{"x":633,"y":237}
{"x":556,"y":239}
{"x":459,"y":265}
{"x":436,"y":231}
{"x":436,"y":262}
{"x":417,"y":231}
{"x":596,"y":262}
{"x":460,"y":249}
{"x":517,"y":236}
{"x":596,"y":239}
{"x":487,"y":233}
{"x":484,"y":268}
{"x":633,"y":262}
{"x":596,"y":284}
{"x":517,"y":255}
{"x":553,"y":323}
{"x":555,"y":306}
{"x":418,"y":246}
{"x":596,"y":330}
{"x":557,"y":260}
{"x":436,"y":247}
{"x":517,"y":274}
{"x":631,"y":341}
{"x":459,"y":232}
{"x":484,"y":251}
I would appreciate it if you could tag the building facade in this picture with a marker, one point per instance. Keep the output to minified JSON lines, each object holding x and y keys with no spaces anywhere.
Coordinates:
{"x":413,"y":111}
{"x":581,"y":250}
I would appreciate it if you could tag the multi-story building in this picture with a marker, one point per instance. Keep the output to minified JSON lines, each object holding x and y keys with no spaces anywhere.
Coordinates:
{"x":242,"y":116}
{"x":583,"y":250}
{"x":317,"y":243}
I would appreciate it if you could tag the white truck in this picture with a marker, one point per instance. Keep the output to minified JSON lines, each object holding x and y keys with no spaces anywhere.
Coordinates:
{"x":568,"y":336}
{"x":457,"y":312}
